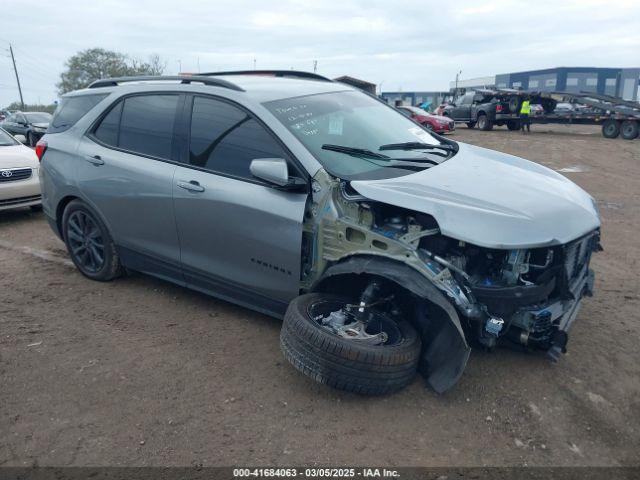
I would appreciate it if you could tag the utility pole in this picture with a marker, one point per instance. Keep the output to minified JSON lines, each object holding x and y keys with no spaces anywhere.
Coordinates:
{"x":315,"y":66}
{"x":254,"y":63}
{"x":457,"y":76}
{"x":17,"y":77}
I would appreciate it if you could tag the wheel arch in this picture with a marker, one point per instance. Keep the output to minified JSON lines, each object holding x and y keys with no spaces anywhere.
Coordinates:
{"x":60,"y":207}
{"x":66,"y":200}
{"x":445,"y":349}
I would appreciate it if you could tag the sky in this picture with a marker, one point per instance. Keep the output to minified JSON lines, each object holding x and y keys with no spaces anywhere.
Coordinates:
{"x":399,"y":45}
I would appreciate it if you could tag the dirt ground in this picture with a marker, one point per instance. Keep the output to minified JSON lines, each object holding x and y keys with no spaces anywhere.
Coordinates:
{"x":141,"y":372}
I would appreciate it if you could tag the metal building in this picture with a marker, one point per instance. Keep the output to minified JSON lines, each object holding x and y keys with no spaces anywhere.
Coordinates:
{"x":414,"y":98}
{"x":617,"y":82}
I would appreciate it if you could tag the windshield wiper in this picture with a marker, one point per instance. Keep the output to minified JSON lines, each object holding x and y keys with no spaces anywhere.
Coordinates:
{"x":416,"y":146}
{"x":358,"y":152}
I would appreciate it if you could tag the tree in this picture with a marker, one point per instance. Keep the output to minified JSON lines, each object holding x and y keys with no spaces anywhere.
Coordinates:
{"x":32,"y":107}
{"x":89,"y":65}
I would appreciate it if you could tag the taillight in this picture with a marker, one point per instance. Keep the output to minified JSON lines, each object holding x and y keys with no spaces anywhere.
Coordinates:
{"x":41,"y":147}
{"x":498,"y":108}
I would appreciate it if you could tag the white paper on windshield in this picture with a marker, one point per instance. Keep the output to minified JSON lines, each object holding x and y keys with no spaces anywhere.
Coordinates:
{"x":335,"y":124}
{"x":421,"y":134}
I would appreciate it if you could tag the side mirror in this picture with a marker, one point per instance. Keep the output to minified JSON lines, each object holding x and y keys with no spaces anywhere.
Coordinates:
{"x":272,"y":170}
{"x":21,"y":138}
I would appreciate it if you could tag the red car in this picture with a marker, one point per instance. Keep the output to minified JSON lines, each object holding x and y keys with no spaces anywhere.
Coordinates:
{"x":436,"y":123}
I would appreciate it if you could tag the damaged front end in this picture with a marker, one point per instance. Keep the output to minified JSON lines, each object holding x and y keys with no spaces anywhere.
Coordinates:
{"x":529,"y":297}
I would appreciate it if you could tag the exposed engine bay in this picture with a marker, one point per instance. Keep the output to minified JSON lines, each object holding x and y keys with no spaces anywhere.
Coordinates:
{"x":528,"y":297}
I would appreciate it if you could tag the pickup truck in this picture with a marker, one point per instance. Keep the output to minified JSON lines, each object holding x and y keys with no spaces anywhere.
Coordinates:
{"x":487,"y":108}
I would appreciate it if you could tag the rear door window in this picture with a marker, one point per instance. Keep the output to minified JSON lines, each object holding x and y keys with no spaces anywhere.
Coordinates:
{"x":141,"y":124}
{"x":72,"y":109}
{"x":107,"y":131}
{"x":146,"y":125}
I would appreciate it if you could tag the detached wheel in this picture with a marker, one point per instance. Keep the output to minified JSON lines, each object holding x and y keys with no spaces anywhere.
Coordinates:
{"x":89,"y":244}
{"x":321,"y":338}
{"x":610,"y":128}
{"x":513,"y":124}
{"x":514,"y":104}
{"x":471,"y":124}
{"x":484,"y":123}
{"x":629,"y":129}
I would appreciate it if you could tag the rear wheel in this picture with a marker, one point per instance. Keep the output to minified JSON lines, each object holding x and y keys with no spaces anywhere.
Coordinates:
{"x":484,"y":123}
{"x":610,"y":128}
{"x":322,"y":337}
{"x":89,"y":243}
{"x":629,"y":129}
{"x":471,"y":124}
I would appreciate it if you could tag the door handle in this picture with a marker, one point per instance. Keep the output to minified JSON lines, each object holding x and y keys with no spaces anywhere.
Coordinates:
{"x":192,"y":186}
{"x":94,"y":159}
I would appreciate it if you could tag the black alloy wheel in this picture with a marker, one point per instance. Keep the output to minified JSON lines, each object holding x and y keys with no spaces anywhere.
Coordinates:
{"x":86,"y":242}
{"x":89,"y":243}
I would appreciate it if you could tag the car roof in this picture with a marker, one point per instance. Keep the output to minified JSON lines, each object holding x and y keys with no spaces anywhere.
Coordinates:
{"x":258,"y":87}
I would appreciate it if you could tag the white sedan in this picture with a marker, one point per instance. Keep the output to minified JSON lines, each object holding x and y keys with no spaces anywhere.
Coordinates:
{"x":19,"y":183}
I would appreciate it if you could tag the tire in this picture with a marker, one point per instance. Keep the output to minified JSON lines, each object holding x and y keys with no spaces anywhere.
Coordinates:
{"x":514,"y":105}
{"x":89,"y":243}
{"x":484,"y":122}
{"x":342,"y":363}
{"x":31,"y":141}
{"x":548,"y":105}
{"x":471,"y":124}
{"x":610,"y":128}
{"x":513,"y":125}
{"x":629,"y":129}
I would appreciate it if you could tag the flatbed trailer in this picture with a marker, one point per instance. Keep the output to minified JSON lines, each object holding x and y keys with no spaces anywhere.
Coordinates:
{"x":618,"y":117}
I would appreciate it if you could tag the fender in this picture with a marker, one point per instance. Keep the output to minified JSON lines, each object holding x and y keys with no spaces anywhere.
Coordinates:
{"x":444,"y":347}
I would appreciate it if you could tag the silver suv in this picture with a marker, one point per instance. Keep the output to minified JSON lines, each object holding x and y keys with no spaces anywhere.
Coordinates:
{"x":386,"y":248}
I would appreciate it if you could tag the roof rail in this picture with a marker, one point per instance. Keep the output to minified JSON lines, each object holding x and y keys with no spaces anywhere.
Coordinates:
{"x":274,"y":73}
{"x":216,"y":82}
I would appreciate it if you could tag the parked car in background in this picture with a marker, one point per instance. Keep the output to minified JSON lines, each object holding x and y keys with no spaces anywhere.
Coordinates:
{"x":536,"y":110}
{"x":437,"y":123}
{"x":32,"y":125}
{"x":440,"y":108}
{"x":19,"y":183}
{"x":564,"y":107}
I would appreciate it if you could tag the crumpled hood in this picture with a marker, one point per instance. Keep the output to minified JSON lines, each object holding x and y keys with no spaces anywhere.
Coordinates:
{"x":492,"y":199}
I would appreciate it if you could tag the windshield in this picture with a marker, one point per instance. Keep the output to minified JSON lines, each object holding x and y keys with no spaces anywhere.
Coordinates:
{"x":38,"y":117}
{"x":6,"y":139}
{"x":358,"y":121}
